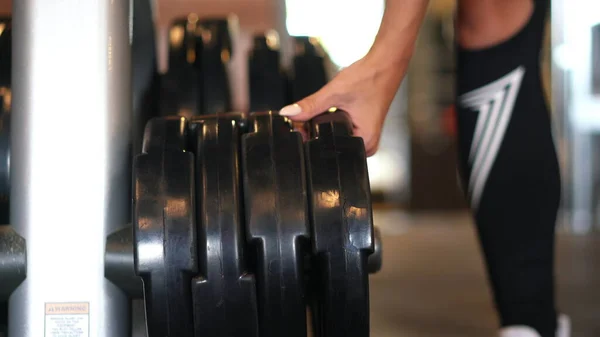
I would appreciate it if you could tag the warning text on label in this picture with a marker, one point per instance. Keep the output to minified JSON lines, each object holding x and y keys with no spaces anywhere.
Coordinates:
{"x":67,"y":320}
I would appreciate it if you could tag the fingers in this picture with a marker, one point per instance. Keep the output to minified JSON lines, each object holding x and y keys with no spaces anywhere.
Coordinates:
{"x":309,"y":107}
{"x":371,"y":141}
{"x":372,"y":150}
{"x":368,"y":132}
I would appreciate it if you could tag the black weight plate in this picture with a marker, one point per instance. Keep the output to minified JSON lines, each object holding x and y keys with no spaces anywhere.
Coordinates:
{"x":276,"y":222}
{"x":308,"y":68}
{"x":214,"y":53}
{"x":267,"y":83}
{"x":342,"y":227}
{"x":164,"y":227}
{"x":180,"y":85}
{"x":224,"y":292}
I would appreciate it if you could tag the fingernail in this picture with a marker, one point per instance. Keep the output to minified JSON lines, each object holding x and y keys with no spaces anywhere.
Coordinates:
{"x":290,"y":110}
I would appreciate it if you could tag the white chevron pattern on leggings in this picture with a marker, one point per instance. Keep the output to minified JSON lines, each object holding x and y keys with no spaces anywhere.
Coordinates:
{"x":494,"y":104}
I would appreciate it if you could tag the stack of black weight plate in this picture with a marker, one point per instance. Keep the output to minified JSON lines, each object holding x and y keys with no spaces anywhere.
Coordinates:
{"x":228,"y":210}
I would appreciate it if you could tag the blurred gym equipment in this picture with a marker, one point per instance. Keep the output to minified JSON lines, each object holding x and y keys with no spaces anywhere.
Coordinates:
{"x":267,"y":82}
{"x":181,"y":84}
{"x":197,"y":80}
{"x":8,"y":238}
{"x":213,"y":55}
{"x":308,"y":70}
{"x":5,"y":109}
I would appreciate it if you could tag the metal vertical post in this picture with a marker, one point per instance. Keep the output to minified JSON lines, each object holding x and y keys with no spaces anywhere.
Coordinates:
{"x":70,"y":163}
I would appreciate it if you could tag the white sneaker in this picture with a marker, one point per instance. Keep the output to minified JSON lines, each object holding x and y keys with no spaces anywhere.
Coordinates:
{"x":563,"y":329}
{"x":518,"y":331}
{"x":564,"y":326}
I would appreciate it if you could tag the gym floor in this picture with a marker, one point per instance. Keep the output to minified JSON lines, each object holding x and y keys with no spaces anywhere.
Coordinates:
{"x":433,"y":282}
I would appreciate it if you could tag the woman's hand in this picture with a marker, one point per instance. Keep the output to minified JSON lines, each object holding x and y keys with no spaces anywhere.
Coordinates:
{"x":364,"y":90}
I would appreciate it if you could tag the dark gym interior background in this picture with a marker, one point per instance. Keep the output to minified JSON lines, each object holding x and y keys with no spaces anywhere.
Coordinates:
{"x":432,"y":282}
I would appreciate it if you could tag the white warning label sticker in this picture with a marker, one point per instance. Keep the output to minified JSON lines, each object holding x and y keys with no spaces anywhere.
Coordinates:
{"x":67,"y":320}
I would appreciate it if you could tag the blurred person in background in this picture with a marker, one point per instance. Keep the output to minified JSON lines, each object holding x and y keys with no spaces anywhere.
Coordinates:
{"x":507,"y":156}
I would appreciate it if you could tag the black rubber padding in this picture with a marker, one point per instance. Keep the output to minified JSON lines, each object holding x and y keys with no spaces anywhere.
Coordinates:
{"x":342,"y":226}
{"x":276,"y":222}
{"x":224,"y":292}
{"x":164,"y":227}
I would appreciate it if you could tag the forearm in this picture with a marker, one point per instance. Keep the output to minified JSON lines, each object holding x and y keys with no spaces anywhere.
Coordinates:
{"x":398,"y":32}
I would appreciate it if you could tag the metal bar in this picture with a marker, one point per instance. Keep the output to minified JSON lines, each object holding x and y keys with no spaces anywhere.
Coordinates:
{"x":71,"y":163}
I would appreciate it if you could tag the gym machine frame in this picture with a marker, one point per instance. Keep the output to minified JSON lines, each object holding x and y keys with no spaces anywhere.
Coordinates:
{"x":70,"y":159}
